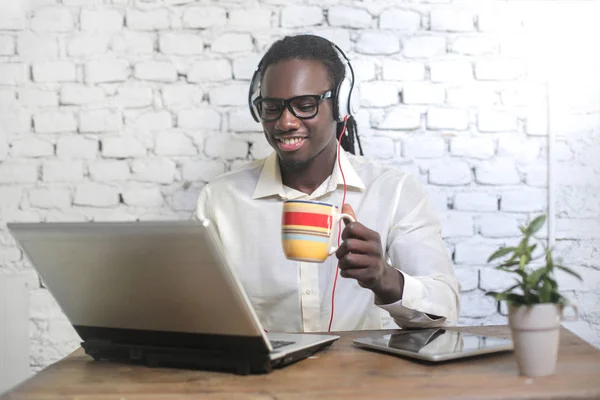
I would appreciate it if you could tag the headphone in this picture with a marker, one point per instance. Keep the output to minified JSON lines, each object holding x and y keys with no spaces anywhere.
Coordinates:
{"x":346,"y":95}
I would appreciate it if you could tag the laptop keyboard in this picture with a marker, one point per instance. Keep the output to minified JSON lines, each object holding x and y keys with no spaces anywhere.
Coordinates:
{"x":277,"y":344}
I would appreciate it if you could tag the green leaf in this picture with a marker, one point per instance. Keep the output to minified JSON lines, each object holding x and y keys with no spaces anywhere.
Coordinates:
{"x":501,"y":252}
{"x":569,"y":271}
{"x":536,"y":224}
{"x":536,"y":276}
{"x":516,"y":299}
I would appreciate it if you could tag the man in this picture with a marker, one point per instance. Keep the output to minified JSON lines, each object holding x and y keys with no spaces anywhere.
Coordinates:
{"x":393,"y":259}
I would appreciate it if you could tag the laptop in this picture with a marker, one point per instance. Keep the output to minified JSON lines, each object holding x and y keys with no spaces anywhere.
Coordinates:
{"x":160,"y":293}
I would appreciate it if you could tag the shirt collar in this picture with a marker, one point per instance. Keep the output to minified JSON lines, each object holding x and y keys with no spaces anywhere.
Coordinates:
{"x":269,"y":183}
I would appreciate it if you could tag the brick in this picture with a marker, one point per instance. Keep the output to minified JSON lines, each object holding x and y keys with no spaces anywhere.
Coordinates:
{"x":379,"y":147}
{"x":244,"y":67}
{"x":524,"y":200}
{"x":457,"y":224}
{"x":259,"y":147}
{"x":36,"y":47}
{"x":199,"y":118}
{"x":472,"y":147}
{"x":148,"y":20}
{"x":22,"y":216}
{"x":522,"y":149}
{"x":184,"y":200}
{"x":18,"y":172}
{"x":7,"y":97}
{"x":496,"y":121}
{"x":400,"y":20}
{"x":449,"y":172}
{"x":250,"y":18}
{"x":474,"y":251}
{"x":472,"y":46}
{"x":423,"y":147}
{"x":232,"y":43}
{"x":424,"y":47}
{"x":106,"y":70}
{"x":180,"y":43}
{"x":179,"y":95}
{"x":98,"y":121}
{"x":86,"y":44}
{"x":394,"y":70}
{"x":109,"y":171}
{"x":225,"y":147}
{"x":62,"y":171}
{"x":210,"y":70}
{"x":10,"y":198}
{"x":378,"y":94}
{"x":54,"y":122}
{"x":536,"y":175}
{"x":476,"y":305}
{"x":152,"y":121}
{"x":159,"y":71}
{"x":7,"y":46}
{"x":133,"y":43}
{"x":31,"y":147}
{"x":109,"y":20}
{"x":451,"y":19}
{"x":578,"y":202}
{"x":76,"y":147}
{"x":15,"y":121}
{"x":339,"y":36}
{"x":10,"y":254}
{"x":122,"y":147}
{"x":524,"y":95}
{"x":499,"y":226}
{"x":436,"y":197}
{"x":229,"y":95}
{"x":3,"y":148}
{"x":451,"y":71}
{"x":77,"y":94}
{"x":373,"y":42}
{"x":364,"y":69}
{"x":496,"y":70}
{"x":468,"y":277}
{"x":301,"y":16}
{"x":134,"y":96}
{"x":54,"y":71}
{"x":37,"y":98}
{"x":422,"y":93}
{"x":50,"y":198}
{"x":13,"y":73}
{"x":495,"y":19}
{"x":401,"y":118}
{"x":15,"y":20}
{"x":142,"y":196}
{"x":348,"y":17}
{"x":96,"y":195}
{"x":174,"y":144}
{"x":82,"y":2}
{"x":52,"y":19}
{"x":159,"y":170}
{"x":497,"y":172}
{"x":204,"y":17}
{"x":471,"y":95}
{"x":447,"y":118}
{"x":240,"y":120}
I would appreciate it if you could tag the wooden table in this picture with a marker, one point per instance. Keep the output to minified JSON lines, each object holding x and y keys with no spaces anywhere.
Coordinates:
{"x":340,"y":372}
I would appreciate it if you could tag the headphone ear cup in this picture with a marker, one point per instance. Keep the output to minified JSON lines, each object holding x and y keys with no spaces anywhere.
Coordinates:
{"x":354,"y":101}
{"x":253,"y":93}
{"x":342,"y":99}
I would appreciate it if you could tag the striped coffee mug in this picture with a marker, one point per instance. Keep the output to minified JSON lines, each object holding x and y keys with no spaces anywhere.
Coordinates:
{"x":307,"y":229}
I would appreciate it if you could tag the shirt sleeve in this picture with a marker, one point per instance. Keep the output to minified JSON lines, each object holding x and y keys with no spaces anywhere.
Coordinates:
{"x":416,"y":249}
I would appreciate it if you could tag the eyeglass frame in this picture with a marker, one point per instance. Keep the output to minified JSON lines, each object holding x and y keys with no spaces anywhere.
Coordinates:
{"x":287,"y":103}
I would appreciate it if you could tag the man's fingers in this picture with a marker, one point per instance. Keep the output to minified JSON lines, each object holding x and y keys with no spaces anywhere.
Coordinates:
{"x":347,"y":209}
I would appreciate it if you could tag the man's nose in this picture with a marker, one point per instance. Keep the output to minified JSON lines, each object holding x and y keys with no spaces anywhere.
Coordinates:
{"x":287,"y":121}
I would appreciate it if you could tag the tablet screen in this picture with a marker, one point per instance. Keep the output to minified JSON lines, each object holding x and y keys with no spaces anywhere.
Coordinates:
{"x":435,"y":344}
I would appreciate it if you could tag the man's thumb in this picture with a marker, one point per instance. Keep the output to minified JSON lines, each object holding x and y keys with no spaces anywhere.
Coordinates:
{"x":347,"y":209}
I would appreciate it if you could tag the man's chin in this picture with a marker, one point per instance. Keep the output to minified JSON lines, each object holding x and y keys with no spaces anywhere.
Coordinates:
{"x":288,"y":163}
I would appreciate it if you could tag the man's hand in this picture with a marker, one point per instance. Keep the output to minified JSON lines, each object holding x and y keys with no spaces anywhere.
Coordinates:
{"x":362,"y":258}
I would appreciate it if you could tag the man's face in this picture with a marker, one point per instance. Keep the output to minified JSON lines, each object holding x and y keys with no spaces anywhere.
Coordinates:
{"x":298,"y":141}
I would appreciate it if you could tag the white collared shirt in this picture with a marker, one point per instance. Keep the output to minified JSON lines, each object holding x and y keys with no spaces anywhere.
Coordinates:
{"x":290,"y":296}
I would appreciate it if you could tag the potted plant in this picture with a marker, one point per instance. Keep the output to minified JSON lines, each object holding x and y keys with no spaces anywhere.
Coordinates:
{"x":535,"y":306}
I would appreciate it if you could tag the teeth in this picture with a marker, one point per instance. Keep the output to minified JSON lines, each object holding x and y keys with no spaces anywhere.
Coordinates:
{"x":291,"y":141}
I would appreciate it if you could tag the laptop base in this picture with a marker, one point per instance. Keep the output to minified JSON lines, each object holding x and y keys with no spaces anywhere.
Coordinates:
{"x":171,"y":357}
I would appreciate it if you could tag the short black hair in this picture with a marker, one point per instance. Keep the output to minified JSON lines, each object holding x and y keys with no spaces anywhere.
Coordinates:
{"x":312,"y":47}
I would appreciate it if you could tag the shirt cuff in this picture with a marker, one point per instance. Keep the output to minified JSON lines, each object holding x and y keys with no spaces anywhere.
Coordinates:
{"x":403,"y":311}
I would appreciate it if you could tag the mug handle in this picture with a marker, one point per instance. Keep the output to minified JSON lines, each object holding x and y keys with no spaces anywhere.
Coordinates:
{"x":572,"y":318}
{"x":339,"y":217}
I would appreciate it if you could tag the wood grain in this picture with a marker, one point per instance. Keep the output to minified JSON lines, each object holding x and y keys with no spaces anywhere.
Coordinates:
{"x":343,"y":371}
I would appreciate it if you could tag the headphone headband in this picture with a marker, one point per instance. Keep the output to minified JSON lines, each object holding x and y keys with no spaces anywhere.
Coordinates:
{"x":346,"y":97}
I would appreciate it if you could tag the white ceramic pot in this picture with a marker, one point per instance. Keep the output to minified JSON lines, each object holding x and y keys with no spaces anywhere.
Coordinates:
{"x":535,"y":333}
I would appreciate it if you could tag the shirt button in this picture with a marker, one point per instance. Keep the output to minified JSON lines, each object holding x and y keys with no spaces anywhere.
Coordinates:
{"x":308,"y":291}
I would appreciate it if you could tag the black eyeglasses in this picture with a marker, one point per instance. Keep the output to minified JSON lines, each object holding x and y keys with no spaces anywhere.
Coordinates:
{"x":303,"y":107}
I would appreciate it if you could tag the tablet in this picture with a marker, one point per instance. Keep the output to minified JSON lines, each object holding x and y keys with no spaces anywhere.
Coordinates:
{"x":435,"y":344}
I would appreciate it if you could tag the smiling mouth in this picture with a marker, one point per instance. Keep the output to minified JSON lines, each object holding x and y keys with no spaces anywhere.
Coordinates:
{"x":290,"y":144}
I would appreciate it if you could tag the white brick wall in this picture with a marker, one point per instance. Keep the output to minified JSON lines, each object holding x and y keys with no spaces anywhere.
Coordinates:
{"x":114,"y":110}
